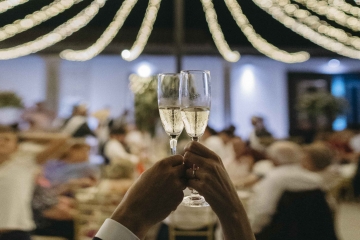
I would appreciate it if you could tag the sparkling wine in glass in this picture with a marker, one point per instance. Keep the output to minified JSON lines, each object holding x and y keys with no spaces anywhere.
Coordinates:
{"x":169,"y":106}
{"x":195,"y":110}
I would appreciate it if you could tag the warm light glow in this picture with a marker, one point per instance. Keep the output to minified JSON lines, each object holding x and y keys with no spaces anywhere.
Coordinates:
{"x":279,"y":12}
{"x":36,"y":18}
{"x":125,"y":53}
{"x":145,"y":30}
{"x":217,"y":34}
{"x":144,"y":70}
{"x":104,"y":40}
{"x":258,"y":42}
{"x":8,"y":4}
{"x":55,"y":36}
{"x":300,"y":19}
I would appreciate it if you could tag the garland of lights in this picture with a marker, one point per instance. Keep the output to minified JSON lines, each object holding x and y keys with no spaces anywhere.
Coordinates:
{"x":278,"y":13}
{"x":345,"y":7}
{"x":322,"y":27}
{"x":55,"y":36}
{"x":36,"y":18}
{"x":144,"y":32}
{"x":260,"y":43}
{"x":8,"y":4}
{"x":299,"y":20}
{"x":331,"y":13}
{"x":107,"y":36}
{"x":217,"y":34}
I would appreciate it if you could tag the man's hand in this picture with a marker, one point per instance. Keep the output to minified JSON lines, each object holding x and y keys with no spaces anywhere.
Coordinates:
{"x":212,"y":181}
{"x":156,"y":193}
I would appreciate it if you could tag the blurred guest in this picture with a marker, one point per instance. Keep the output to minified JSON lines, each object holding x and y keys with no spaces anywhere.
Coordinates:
{"x":77,"y":125}
{"x":102,"y":131}
{"x":73,"y":167}
{"x":18,"y":168}
{"x":318,"y":157}
{"x":288,"y":175}
{"x":240,"y":167}
{"x":340,"y":142}
{"x":53,"y":213}
{"x":260,"y":136}
{"x":116,"y":148}
{"x":220,"y":143}
{"x":355,"y":145}
{"x":39,"y":117}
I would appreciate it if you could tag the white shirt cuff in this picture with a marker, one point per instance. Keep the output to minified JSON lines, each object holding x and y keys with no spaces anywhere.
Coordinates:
{"x":112,"y":230}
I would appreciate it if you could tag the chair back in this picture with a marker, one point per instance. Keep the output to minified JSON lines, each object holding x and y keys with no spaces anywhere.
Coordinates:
{"x":303,"y":215}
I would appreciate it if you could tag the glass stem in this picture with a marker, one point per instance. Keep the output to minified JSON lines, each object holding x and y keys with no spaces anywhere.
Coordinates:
{"x":195,"y":139}
{"x":194,"y":194}
{"x":173,"y":143}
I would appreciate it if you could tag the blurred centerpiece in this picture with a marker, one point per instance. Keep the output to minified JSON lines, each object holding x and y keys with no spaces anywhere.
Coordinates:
{"x":11,"y":106}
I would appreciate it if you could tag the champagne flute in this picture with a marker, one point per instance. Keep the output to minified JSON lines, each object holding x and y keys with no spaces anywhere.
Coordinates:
{"x":169,"y":106}
{"x":195,"y":110}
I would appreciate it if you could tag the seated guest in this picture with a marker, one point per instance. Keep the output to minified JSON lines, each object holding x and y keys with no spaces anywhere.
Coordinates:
{"x":53,"y":213}
{"x":73,"y":167}
{"x":77,"y":125}
{"x":159,"y":190}
{"x":220,"y":143}
{"x":115,"y":149}
{"x":318,"y":157}
{"x":286,"y":178}
{"x":240,"y":167}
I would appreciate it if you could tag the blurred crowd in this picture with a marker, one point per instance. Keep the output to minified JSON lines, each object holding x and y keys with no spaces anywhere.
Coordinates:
{"x":44,"y":161}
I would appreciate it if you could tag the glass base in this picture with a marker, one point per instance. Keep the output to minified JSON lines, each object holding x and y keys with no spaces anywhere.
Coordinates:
{"x":194,"y":201}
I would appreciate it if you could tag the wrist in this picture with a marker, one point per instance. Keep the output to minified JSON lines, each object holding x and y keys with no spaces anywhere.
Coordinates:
{"x":131,"y":221}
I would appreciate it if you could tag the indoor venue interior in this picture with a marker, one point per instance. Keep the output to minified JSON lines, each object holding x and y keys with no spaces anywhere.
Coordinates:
{"x":258,"y":99}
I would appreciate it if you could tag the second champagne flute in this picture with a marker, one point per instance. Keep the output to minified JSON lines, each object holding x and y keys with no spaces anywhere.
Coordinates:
{"x":195,"y":110}
{"x":169,"y":106}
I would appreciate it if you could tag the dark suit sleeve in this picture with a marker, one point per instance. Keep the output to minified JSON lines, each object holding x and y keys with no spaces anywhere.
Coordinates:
{"x":96,"y":238}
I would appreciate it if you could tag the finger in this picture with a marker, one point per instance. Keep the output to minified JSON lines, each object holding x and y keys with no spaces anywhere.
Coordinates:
{"x":179,"y":170}
{"x":195,"y":184}
{"x":194,"y":174}
{"x":191,"y":158}
{"x":175,"y":160}
{"x":199,"y":149}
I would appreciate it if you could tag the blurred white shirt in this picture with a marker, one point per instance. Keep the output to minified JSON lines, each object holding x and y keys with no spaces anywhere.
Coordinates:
{"x":267,"y":192}
{"x":116,"y":152}
{"x":225,"y":151}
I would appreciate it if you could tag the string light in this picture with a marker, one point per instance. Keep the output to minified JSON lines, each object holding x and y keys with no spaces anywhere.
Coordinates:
{"x":8,"y":4}
{"x":217,"y":34}
{"x":55,"y":36}
{"x":144,"y":32}
{"x":260,"y":43}
{"x":300,"y":20}
{"x":104,"y":40}
{"x":322,"y":27}
{"x":36,"y":18}
{"x":332,"y":13}
{"x":306,"y":31}
{"x":345,"y":7}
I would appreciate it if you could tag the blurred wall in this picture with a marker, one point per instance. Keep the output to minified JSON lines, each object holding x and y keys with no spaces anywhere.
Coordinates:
{"x":26,"y":76}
